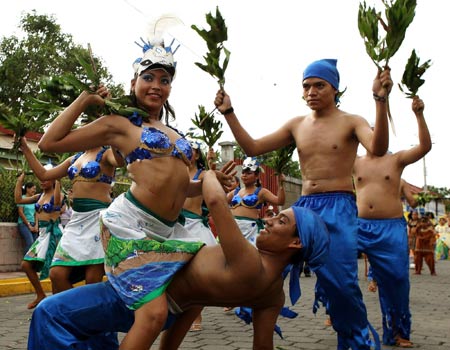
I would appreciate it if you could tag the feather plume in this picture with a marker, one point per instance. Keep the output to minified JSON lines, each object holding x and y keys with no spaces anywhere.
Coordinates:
{"x":161,"y":26}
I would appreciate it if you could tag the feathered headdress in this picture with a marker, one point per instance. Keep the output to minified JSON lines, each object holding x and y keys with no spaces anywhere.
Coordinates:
{"x":156,"y":54}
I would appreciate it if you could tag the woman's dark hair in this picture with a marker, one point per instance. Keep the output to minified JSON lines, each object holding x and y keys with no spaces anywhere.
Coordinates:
{"x":430,"y":214}
{"x":258,"y":182}
{"x":27,"y":186}
{"x":201,"y":159}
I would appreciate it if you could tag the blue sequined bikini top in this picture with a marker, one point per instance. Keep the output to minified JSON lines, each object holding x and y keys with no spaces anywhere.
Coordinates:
{"x":248,"y":201}
{"x":90,"y":171}
{"x":156,"y":144}
{"x":47,"y":207}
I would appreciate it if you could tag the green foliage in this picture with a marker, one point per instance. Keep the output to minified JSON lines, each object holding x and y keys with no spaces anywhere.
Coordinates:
{"x":439,"y":192}
{"x":399,"y":15}
{"x":211,"y":129}
{"x":279,"y":159}
{"x":8,"y":208}
{"x":27,"y":63}
{"x":424,"y":198}
{"x":20,"y":123}
{"x":214,"y":38}
{"x":412,"y":76}
{"x":121,"y":185}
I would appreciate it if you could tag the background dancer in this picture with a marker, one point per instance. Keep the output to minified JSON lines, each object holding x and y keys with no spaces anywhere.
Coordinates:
{"x":40,"y":255}
{"x":382,"y":232}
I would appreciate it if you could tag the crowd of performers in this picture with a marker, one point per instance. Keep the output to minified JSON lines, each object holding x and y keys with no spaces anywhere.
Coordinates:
{"x":184,"y":237}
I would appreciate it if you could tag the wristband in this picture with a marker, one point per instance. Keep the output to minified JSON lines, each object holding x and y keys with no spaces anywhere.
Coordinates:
{"x":228,"y":111}
{"x":379,"y":98}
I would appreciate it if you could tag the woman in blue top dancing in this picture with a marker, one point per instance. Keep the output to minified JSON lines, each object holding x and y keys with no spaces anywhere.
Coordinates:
{"x":246,"y":202}
{"x":48,"y":209}
{"x":79,"y":254}
{"x":144,"y":243}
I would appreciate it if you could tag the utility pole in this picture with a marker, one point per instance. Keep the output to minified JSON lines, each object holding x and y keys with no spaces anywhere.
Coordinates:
{"x":425,"y":187}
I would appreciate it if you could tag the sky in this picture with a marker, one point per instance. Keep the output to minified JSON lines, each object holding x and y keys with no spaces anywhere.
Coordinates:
{"x":271,"y":43}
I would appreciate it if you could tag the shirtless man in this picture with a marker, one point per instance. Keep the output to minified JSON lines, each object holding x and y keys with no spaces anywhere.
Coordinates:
{"x":232,"y":273}
{"x":327,"y":140}
{"x":383,"y":233}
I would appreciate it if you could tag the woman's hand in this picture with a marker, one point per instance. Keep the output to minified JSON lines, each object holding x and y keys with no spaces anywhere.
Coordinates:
{"x":96,"y":98}
{"x":210,"y":158}
{"x":225,"y":175}
{"x":21,"y":177}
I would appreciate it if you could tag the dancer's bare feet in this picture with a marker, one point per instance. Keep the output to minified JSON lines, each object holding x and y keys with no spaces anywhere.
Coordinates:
{"x":403,"y":343}
{"x":328,"y":322}
{"x":35,"y":302}
{"x":196,"y":327}
{"x":372,"y":287}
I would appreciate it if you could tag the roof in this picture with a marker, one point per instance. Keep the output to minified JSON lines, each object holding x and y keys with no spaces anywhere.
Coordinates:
{"x":30,"y":135}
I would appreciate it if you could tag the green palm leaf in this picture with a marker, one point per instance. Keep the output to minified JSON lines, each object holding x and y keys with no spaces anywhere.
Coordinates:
{"x":412,"y":76}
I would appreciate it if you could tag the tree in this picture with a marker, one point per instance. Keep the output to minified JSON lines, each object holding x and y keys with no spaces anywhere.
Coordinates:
{"x":43,"y":52}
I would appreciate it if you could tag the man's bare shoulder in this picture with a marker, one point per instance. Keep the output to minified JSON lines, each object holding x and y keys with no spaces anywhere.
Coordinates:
{"x":352,"y":116}
{"x":296,"y":120}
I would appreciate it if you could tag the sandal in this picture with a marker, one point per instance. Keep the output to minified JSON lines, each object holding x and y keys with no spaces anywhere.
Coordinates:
{"x":196,"y":327}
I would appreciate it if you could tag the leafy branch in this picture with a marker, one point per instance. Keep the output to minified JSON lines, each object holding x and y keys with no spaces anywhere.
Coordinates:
{"x":214,"y":37}
{"x":399,"y":15}
{"x":20,"y":124}
{"x":412,"y":76}
{"x":67,"y":87}
{"x":211,"y":128}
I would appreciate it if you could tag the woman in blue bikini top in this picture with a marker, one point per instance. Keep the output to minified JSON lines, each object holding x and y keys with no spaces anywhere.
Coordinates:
{"x":248,"y":200}
{"x":157,"y":157}
{"x":47,"y":206}
{"x":156,"y":154}
{"x":91,"y":171}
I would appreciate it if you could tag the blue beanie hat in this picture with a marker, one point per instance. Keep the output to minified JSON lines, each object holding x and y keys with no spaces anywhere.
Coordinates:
{"x":324,"y":69}
{"x":315,"y":240}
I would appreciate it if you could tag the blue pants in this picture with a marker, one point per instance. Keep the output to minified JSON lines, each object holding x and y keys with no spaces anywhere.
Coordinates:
{"x":385,"y":242}
{"x":82,"y":318}
{"x":28,"y":236}
{"x":337,"y":281}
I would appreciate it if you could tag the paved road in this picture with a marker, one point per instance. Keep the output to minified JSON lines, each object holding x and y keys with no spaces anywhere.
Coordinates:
{"x":430,"y":307}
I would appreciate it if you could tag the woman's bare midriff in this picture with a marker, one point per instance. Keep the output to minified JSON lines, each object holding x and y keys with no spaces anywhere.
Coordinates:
{"x":162,"y":194}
